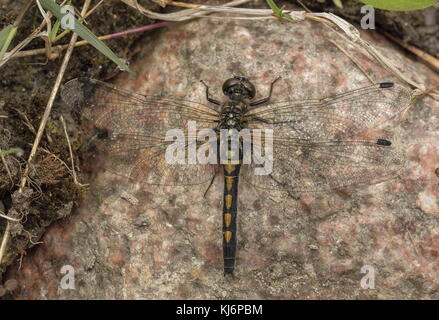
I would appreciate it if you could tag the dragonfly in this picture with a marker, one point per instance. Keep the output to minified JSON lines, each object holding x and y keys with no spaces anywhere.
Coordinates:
{"x":317,"y":145}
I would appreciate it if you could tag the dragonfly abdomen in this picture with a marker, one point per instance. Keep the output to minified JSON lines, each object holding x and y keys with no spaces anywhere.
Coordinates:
{"x":231,"y":178}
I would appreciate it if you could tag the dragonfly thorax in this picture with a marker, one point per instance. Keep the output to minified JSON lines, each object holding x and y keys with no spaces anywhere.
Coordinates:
{"x":232,"y":115}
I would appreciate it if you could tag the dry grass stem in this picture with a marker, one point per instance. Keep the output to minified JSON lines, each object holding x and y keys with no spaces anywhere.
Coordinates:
{"x":5,"y":163}
{"x":73,"y":171}
{"x":56,"y":50}
{"x":429,"y":59}
{"x":355,"y":61}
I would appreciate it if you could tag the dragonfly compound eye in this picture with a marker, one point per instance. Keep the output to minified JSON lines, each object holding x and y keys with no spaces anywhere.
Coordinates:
{"x":239,"y":87}
{"x":229,"y":84}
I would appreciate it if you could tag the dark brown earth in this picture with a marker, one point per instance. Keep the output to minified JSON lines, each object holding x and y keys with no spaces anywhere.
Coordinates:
{"x":167,"y":242}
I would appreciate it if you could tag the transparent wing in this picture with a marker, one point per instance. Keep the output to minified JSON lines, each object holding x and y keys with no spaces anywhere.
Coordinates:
{"x":306,"y":166}
{"x":340,"y":117}
{"x":131,"y":129}
{"x":153,"y":166}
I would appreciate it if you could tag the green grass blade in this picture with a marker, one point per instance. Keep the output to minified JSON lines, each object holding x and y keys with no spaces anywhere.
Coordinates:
{"x":278,"y":11}
{"x":274,"y":7}
{"x":6,"y":36}
{"x":400,"y":5}
{"x":5,"y":152}
{"x":54,"y":30}
{"x":85,"y":34}
{"x":338,"y":3}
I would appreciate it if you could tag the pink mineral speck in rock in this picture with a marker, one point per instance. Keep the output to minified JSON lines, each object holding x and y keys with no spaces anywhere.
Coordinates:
{"x":427,"y":201}
{"x":117,"y":258}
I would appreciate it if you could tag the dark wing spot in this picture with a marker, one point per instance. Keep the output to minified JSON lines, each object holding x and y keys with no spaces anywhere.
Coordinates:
{"x":384,"y":142}
{"x":386,"y":84}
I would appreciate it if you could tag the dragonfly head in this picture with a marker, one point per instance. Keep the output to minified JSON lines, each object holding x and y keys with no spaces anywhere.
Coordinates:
{"x":239,"y":88}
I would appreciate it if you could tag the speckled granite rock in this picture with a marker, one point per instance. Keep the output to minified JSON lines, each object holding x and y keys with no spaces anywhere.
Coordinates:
{"x":126,"y":241}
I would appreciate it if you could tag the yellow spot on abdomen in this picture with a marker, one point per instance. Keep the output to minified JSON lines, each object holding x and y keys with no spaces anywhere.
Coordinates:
{"x":229,"y":168}
{"x":228,"y":236}
{"x":228,"y":199}
{"x":196,"y":273}
{"x":229,"y":183}
{"x":227,"y":219}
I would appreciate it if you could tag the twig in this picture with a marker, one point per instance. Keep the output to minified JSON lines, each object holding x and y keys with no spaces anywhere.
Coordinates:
{"x":8,"y":218}
{"x":30,"y":238}
{"x":304,"y":6}
{"x":182,"y":4}
{"x":429,"y":59}
{"x":181,"y":15}
{"x":26,"y":121}
{"x":89,"y":12}
{"x":59,"y":48}
{"x":43,"y":125}
{"x":75,"y":179}
{"x":7,"y":168}
{"x":45,"y":35}
{"x":5,"y":240}
{"x":359,"y":66}
{"x":22,"y":253}
{"x":179,"y":4}
{"x":46,"y":18}
{"x":23,"y":11}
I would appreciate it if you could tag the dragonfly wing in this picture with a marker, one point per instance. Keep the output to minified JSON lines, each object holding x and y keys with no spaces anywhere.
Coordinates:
{"x":301,"y":166}
{"x":154,"y":166}
{"x":131,"y":128}
{"x":340,"y":117}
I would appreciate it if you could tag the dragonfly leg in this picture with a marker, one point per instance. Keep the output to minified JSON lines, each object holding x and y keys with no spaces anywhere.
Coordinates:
{"x":261,"y":119}
{"x":210,"y":184}
{"x":271,"y":122}
{"x":212,"y":100}
{"x":264,"y":100}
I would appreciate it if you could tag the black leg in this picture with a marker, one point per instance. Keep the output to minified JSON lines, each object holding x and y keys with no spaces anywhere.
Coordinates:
{"x":207,"y":95}
{"x":252,"y":117}
{"x":260,"y":119}
{"x":210,"y":184}
{"x":264,"y":100}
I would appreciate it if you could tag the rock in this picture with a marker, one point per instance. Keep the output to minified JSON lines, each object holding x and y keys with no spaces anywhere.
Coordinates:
{"x":167,"y":243}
